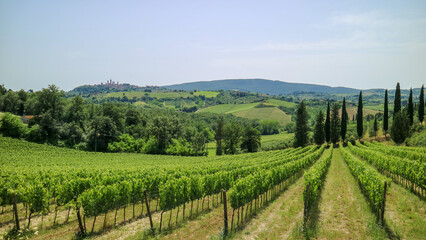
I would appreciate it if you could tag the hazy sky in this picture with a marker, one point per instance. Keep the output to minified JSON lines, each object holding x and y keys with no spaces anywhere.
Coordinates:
{"x":361,"y":44}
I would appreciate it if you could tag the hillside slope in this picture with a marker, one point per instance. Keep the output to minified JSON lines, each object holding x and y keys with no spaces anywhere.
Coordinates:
{"x":259,"y":86}
{"x":251,"y":111}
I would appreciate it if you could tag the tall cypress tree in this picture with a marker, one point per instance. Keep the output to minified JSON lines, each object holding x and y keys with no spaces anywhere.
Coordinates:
{"x":359,"y":120}
{"x":343,"y":124}
{"x":219,"y":136}
{"x":422,"y":104}
{"x":386,"y":114}
{"x":375,"y":127}
{"x":301,"y":133}
{"x":327,"y":124}
{"x":335,"y":124}
{"x":397,"y":102}
{"x":411,"y":107}
{"x":319,"y":134}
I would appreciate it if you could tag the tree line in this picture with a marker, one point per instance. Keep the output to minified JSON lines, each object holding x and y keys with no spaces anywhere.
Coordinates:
{"x":232,"y":138}
{"x":117,"y":127}
{"x":335,"y":126}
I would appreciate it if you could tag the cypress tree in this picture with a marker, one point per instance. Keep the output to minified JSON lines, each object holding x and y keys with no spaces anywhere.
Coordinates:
{"x":386,"y":114}
{"x":301,"y":133}
{"x":343,"y":124}
{"x":335,"y":124}
{"x":359,"y":122}
{"x":411,"y":107}
{"x":219,"y":136}
{"x":397,"y":102}
{"x":422,"y":104}
{"x":375,"y":127}
{"x":319,"y":134}
{"x":327,"y":124}
{"x":92,"y":111}
{"x":400,"y":127}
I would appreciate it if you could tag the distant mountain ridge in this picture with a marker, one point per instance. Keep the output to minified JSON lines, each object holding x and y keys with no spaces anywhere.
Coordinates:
{"x":255,"y":85}
{"x":258,"y":85}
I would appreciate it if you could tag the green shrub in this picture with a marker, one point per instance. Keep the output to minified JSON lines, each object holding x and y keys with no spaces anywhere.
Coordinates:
{"x":35,"y":134}
{"x":277,"y":145}
{"x":417,"y":139}
{"x":12,"y":126}
{"x":80,"y":146}
{"x":178,"y":147}
{"x":126,"y":144}
{"x":151,"y":146}
{"x":24,"y":233}
{"x":269,"y":127}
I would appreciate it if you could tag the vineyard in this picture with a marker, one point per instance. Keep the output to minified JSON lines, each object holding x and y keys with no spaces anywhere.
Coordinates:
{"x":64,"y":193}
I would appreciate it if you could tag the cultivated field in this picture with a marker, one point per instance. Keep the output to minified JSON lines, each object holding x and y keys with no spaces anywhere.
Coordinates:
{"x":362,"y":191}
{"x":253,"y":111}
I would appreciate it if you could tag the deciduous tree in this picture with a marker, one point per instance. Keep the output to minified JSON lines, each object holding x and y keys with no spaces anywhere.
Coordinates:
{"x":76,"y":111}
{"x":50,"y":99}
{"x":251,"y":140}
{"x":232,"y":134}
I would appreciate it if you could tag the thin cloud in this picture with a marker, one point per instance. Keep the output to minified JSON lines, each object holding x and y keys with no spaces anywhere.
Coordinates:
{"x":375,"y":31}
{"x":355,"y":42}
{"x":369,"y":19}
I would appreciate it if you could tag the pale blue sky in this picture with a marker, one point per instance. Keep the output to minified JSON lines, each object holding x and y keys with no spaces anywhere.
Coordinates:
{"x":361,"y":44}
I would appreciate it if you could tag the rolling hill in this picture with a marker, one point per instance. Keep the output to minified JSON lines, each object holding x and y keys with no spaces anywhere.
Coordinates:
{"x":268,"y":110}
{"x":259,"y":86}
{"x":272,"y":113}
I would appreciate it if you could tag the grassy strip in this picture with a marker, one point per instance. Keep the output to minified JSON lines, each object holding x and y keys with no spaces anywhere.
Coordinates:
{"x":371,"y":182}
{"x":314,"y":179}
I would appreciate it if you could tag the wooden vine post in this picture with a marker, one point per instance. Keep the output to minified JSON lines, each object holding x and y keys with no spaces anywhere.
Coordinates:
{"x":305,"y":210}
{"x":147,"y":209}
{"x":15,"y":211}
{"x":382,"y":217}
{"x":80,"y":224}
{"x":225,"y":214}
